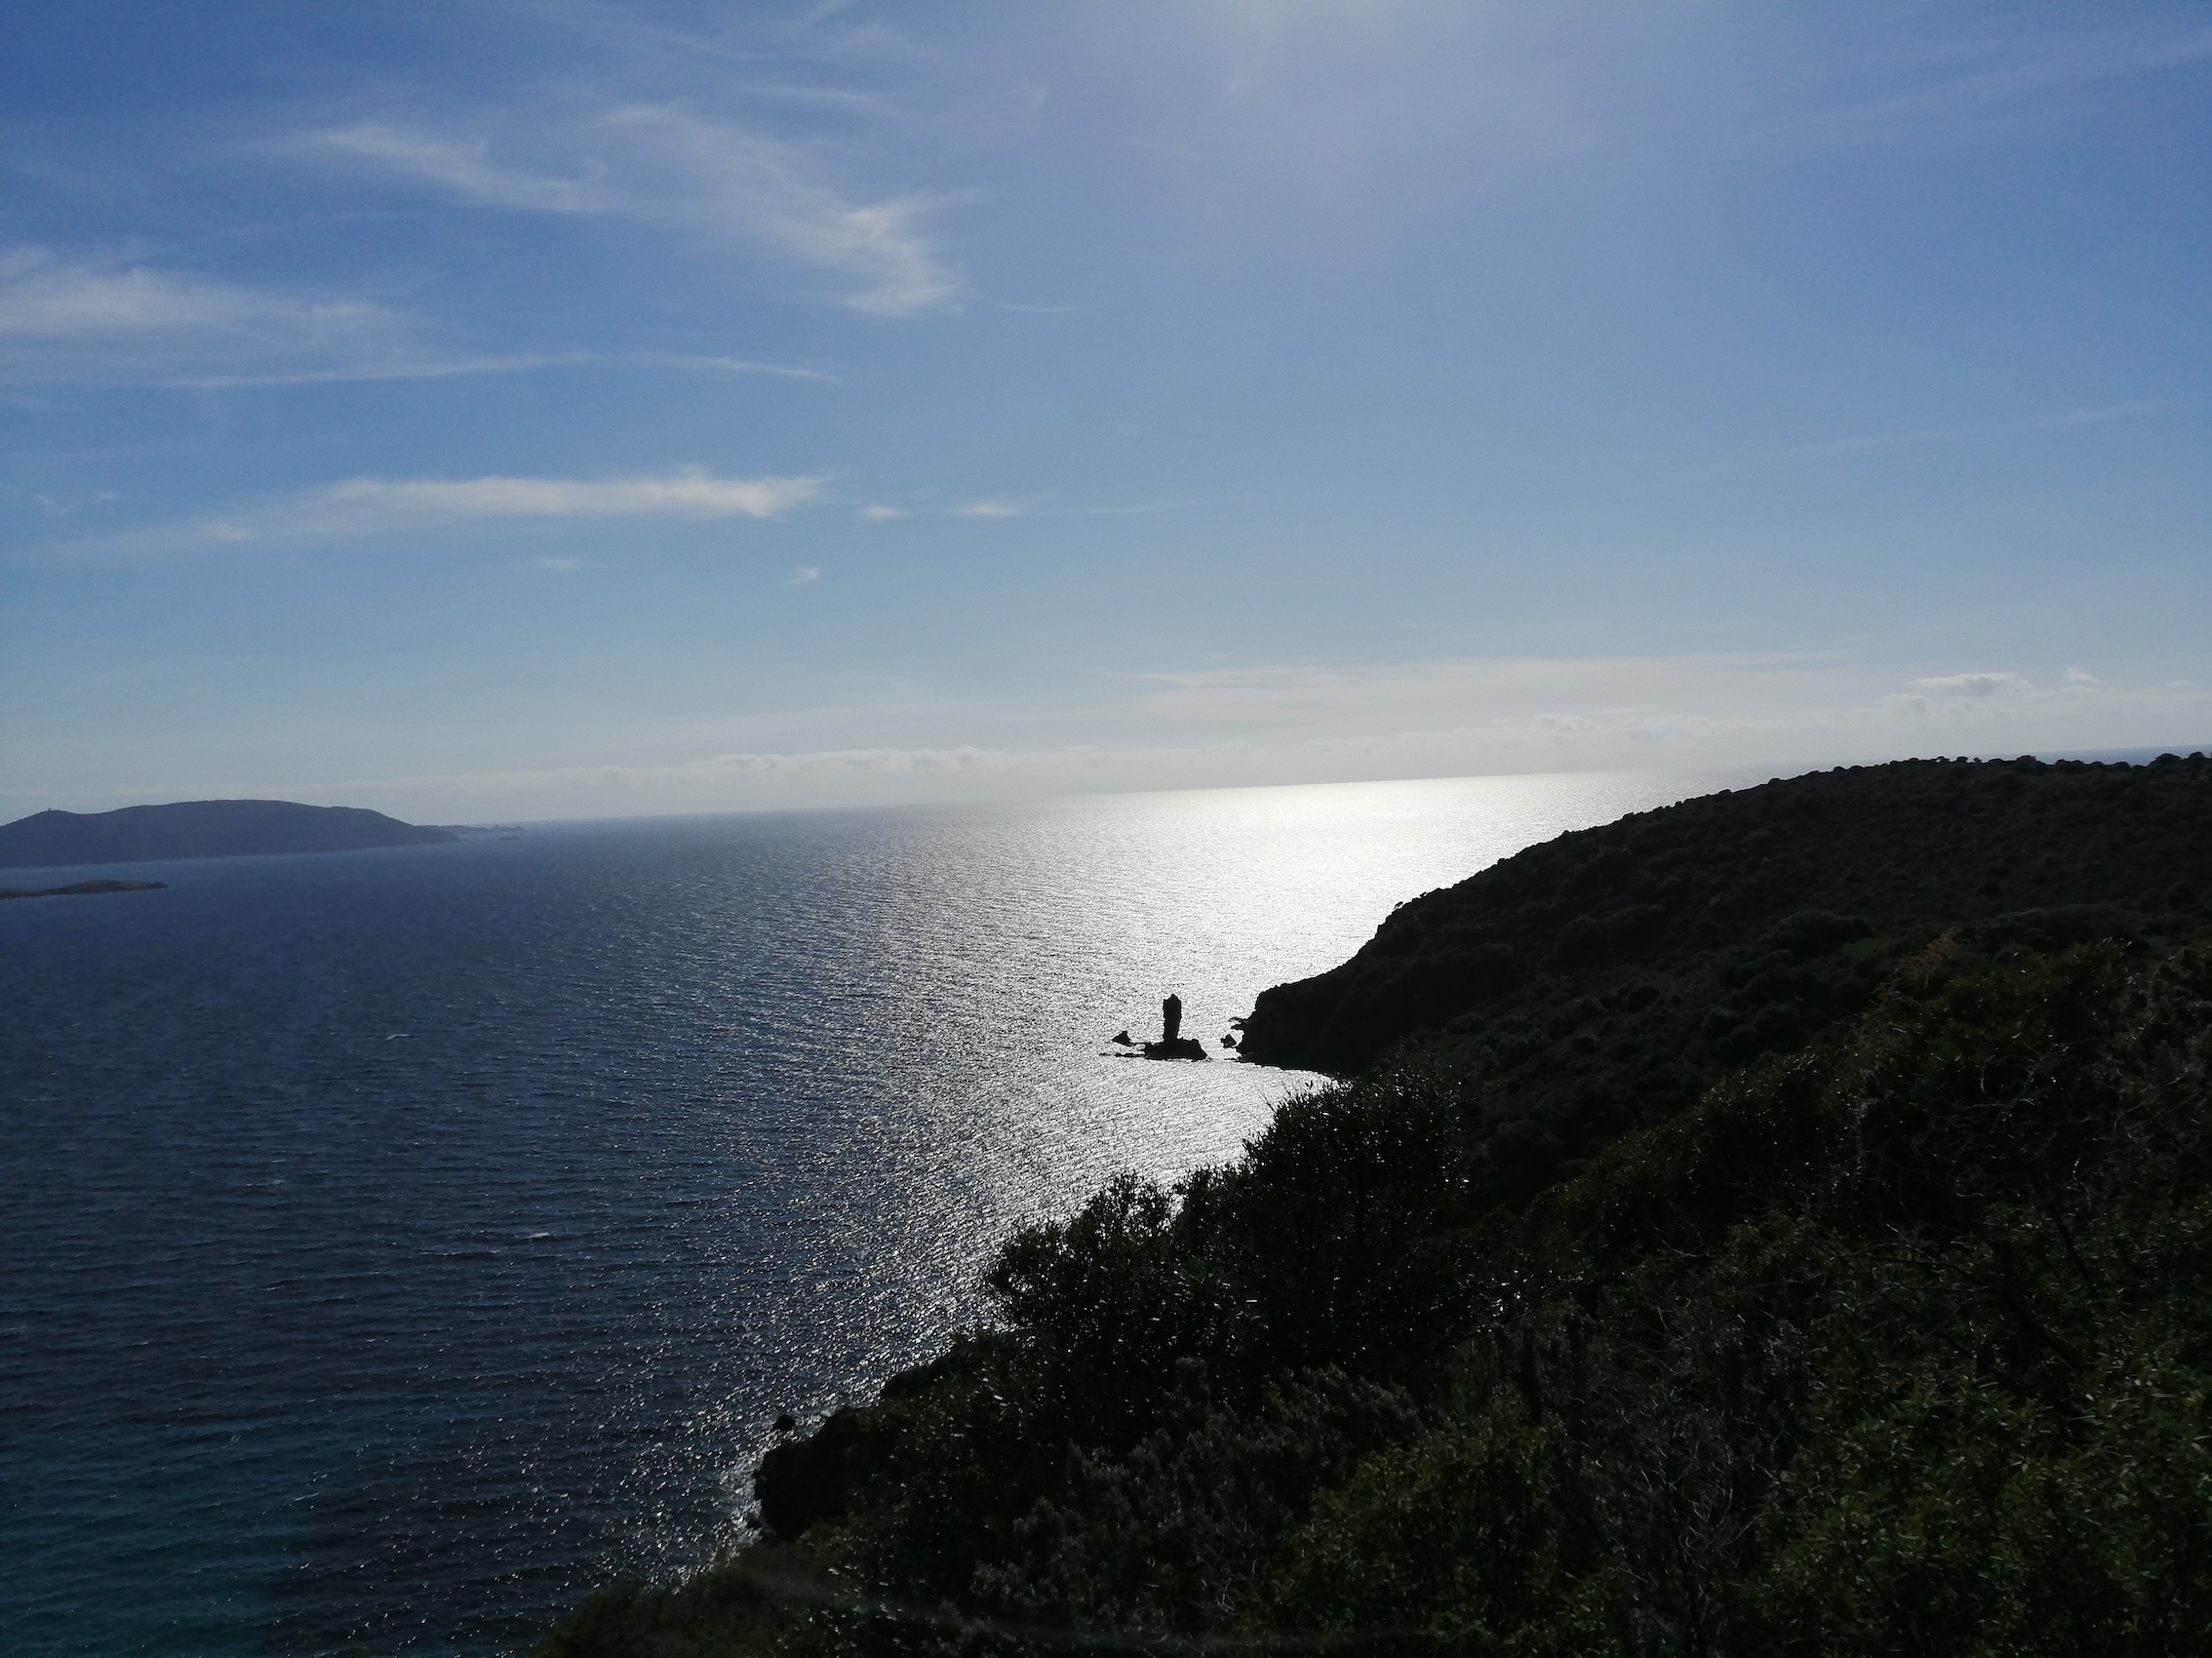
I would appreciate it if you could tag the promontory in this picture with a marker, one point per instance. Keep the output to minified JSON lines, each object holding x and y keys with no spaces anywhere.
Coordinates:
{"x":201,"y":829}
{"x":1778,"y":1223}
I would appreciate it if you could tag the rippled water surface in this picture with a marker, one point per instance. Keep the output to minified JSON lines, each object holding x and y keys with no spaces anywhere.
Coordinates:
{"x":398,"y":1244}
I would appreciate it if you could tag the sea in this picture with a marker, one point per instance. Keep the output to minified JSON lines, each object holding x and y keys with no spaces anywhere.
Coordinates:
{"x":397,"y":1246}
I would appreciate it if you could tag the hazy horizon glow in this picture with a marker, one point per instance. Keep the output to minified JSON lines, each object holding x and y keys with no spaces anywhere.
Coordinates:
{"x":571,"y":410}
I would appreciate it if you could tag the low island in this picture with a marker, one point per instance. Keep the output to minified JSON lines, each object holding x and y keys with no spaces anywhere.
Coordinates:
{"x":1776,"y":1223}
{"x":78,"y":888}
{"x":201,"y":829}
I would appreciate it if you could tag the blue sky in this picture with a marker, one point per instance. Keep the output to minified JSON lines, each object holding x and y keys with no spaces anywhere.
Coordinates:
{"x":566,"y":410}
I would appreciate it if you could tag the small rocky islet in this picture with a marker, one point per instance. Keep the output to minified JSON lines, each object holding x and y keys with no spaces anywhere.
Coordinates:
{"x":1172,"y":1043}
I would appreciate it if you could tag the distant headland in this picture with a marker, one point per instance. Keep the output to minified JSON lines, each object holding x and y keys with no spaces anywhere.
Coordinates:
{"x":77,"y":889}
{"x":201,"y":829}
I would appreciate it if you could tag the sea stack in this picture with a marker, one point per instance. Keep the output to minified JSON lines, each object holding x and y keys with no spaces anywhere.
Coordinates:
{"x":1172,"y":1043}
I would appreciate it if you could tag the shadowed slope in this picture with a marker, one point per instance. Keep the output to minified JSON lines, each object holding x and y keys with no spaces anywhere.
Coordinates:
{"x":1607,"y":977}
{"x":1897,"y":1344}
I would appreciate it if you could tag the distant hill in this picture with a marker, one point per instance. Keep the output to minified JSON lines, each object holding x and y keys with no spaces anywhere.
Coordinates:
{"x":81,"y":889}
{"x":201,"y":829}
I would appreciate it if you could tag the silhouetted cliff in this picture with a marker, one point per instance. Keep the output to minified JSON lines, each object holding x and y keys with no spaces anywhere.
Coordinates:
{"x":1900,"y":1343}
{"x":1607,"y":978}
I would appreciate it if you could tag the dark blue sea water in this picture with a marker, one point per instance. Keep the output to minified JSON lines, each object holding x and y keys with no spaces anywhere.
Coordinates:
{"x":395,"y":1245}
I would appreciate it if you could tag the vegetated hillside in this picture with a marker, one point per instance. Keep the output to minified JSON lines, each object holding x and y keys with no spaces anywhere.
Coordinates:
{"x":201,"y":829}
{"x":1900,"y":1345}
{"x":1607,"y":978}
{"x":1897,"y":1340}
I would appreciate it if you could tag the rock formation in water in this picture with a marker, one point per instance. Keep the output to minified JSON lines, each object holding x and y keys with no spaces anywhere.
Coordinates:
{"x":1182,"y":1047}
{"x":1172,"y":1043}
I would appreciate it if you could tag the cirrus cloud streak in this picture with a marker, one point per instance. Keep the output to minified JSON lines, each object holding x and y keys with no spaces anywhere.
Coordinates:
{"x":359,"y":507}
{"x":661,"y":162}
{"x":73,"y":318}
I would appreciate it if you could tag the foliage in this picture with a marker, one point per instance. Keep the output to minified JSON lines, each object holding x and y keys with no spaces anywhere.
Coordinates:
{"x":1900,"y":1342}
{"x":1452,"y":1543}
{"x":1605,"y":979}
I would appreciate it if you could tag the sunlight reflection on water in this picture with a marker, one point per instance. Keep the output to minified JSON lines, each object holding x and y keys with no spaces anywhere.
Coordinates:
{"x":401,"y":1242}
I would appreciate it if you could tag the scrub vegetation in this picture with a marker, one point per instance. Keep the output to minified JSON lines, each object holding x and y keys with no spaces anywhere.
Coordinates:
{"x":1885,"y":1327}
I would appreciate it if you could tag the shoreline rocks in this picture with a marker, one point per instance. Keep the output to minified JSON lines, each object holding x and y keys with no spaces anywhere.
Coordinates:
{"x":1182,"y":1047}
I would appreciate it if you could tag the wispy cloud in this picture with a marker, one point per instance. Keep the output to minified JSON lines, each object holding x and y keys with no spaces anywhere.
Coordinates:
{"x":803,"y":576}
{"x":404,"y":368}
{"x":662,"y":162}
{"x":1498,"y":713}
{"x":1000,"y":507}
{"x":1143,"y":509}
{"x":56,"y":506}
{"x":1975,"y":685}
{"x":729,"y":366}
{"x":68,"y":318}
{"x":770,"y":192}
{"x":1542,"y":716}
{"x":993,"y":507}
{"x":465,"y":166}
{"x":374,"y":506}
{"x":2006,"y":77}
{"x":1342,"y":698}
{"x":1914,"y":437}
{"x":1437,"y":719}
{"x":690,"y":492}
{"x":417,"y":368}
{"x":46,"y":297}
{"x":79,"y":318}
